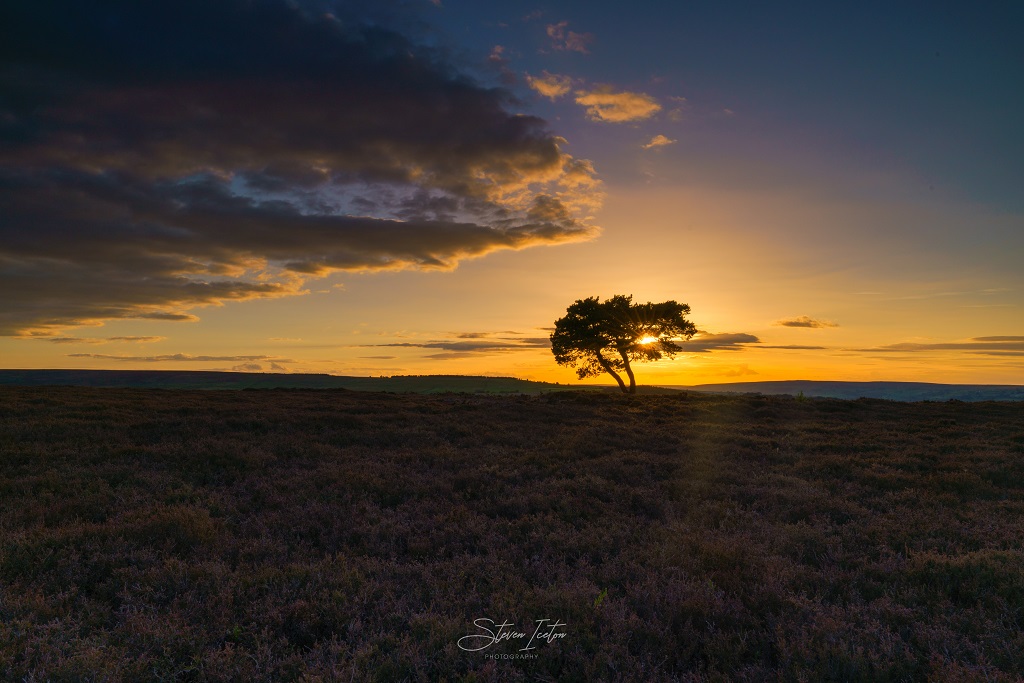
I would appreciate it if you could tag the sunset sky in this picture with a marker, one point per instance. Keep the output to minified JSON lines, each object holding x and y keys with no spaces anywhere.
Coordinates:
{"x":387,"y":188}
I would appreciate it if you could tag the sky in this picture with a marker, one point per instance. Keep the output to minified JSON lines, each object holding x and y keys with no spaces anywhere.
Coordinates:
{"x":393,"y":188}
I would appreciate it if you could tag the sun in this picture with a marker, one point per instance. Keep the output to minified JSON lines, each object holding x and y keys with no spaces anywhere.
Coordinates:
{"x":648,"y":340}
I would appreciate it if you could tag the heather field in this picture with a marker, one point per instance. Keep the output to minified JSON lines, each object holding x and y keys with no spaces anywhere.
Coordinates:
{"x":320,"y":535}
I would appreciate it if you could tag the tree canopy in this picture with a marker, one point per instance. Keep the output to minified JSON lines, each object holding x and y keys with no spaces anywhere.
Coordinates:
{"x":608,"y":336}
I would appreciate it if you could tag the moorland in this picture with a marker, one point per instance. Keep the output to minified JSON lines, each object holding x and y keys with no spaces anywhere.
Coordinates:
{"x":283,"y":534}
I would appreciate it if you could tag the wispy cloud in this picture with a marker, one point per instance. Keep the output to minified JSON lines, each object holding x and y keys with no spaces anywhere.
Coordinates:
{"x":659,"y":141}
{"x":1004,"y":345}
{"x":66,"y":340}
{"x":483,"y":335}
{"x":474,"y":346}
{"x":94,"y":340}
{"x":681,"y":105}
{"x":471,"y":344}
{"x":179,"y":357}
{"x":603,"y":103}
{"x":550,"y":85}
{"x":792,"y":347}
{"x":884,"y":296}
{"x":805,"y":321}
{"x":247,"y":367}
{"x":563,"y":39}
{"x":737,"y":371}
{"x":144,"y":314}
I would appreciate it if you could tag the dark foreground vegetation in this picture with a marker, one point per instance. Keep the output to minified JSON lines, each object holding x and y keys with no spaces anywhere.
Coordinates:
{"x":329,"y":535}
{"x":201,"y":379}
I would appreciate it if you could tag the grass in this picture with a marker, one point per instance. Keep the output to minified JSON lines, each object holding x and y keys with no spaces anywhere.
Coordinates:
{"x":330,"y":535}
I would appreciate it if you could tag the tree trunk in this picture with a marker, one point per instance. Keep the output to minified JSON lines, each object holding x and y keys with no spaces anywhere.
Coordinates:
{"x":608,"y":368}
{"x":629,"y":373}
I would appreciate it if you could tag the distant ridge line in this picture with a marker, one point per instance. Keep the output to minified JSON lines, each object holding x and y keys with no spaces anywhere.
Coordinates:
{"x":216,"y":379}
{"x":893,"y":391}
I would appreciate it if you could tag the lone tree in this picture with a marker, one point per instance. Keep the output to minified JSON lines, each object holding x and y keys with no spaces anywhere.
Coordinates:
{"x":608,"y":336}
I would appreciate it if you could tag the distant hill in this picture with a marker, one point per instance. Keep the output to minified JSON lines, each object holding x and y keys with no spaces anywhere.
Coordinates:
{"x":432,"y":384}
{"x":893,"y":391}
{"x":189,"y":379}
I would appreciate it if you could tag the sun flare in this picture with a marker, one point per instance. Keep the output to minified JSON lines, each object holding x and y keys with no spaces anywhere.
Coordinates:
{"x":648,"y":340}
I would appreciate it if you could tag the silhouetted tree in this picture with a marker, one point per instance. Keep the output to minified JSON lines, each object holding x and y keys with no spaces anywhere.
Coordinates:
{"x":608,"y":336}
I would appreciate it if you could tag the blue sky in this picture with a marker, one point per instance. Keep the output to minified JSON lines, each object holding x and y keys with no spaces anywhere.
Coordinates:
{"x":926,"y":88}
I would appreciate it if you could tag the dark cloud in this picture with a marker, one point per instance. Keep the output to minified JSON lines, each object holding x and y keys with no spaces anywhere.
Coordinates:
{"x":993,"y":346}
{"x":704,"y":342}
{"x":476,"y":345}
{"x":163,"y":315}
{"x":157,"y":157}
{"x":805,"y":321}
{"x":177,"y":357}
